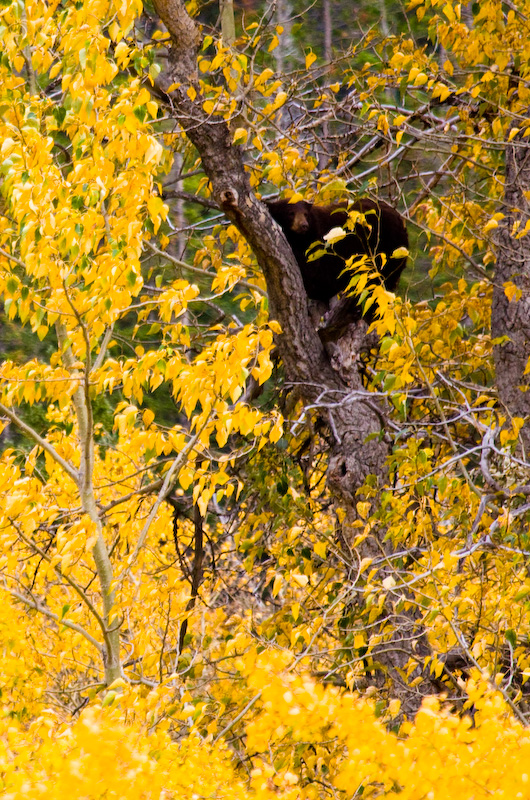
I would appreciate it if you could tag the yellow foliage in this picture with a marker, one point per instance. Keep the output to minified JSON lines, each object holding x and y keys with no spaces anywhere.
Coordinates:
{"x":303,"y":740}
{"x":103,"y":517}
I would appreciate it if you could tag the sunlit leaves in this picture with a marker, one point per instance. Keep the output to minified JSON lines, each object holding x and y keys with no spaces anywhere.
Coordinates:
{"x":302,"y":735}
{"x":81,"y":171}
{"x":156,"y":342}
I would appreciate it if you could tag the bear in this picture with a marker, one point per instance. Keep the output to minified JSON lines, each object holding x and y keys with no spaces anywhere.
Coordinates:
{"x":326,"y":276}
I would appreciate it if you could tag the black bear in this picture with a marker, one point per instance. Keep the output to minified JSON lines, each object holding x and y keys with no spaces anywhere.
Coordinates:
{"x":304,"y":224}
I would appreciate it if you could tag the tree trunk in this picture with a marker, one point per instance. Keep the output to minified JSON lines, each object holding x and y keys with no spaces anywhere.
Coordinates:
{"x":328,"y":30}
{"x":228,"y":25}
{"x":511,"y":318}
{"x":302,"y":352}
{"x":336,"y":394}
{"x":100,"y":552}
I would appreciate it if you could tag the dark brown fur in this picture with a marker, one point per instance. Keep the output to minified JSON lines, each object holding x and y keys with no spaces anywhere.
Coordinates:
{"x":304,"y":224}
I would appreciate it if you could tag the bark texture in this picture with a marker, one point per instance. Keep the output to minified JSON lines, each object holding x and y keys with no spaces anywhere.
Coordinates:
{"x":302,"y":352}
{"x":512,"y":318}
{"x":336,"y":393}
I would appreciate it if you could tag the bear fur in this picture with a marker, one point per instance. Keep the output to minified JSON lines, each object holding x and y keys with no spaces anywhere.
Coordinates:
{"x":304,"y":224}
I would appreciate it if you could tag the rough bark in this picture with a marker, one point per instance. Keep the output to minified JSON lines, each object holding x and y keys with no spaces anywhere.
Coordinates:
{"x":337,"y":394}
{"x":511,"y":318}
{"x":302,"y":352}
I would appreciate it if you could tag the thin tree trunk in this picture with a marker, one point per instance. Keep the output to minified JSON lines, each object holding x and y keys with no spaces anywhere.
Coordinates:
{"x":100,"y":552}
{"x":328,"y":30}
{"x":228,"y":24}
{"x":285,"y":48}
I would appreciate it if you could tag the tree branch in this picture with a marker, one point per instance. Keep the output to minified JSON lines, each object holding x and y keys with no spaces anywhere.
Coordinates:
{"x":27,"y":429}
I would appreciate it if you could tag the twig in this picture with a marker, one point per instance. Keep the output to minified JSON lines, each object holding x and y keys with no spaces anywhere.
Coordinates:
{"x":47,"y":613}
{"x":68,"y":468}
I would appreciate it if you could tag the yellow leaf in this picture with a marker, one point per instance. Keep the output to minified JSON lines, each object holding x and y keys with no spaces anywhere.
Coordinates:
{"x":334,"y":235}
{"x":420,"y":79}
{"x":512,"y":291}
{"x":279,"y":100}
{"x":240,"y":135}
{"x":152,"y":107}
{"x":394,"y":706}
{"x":148,"y":416}
{"x":121,"y":53}
{"x":490,"y":225}
{"x":449,"y":12}
{"x":301,"y":580}
{"x":382,"y":123}
{"x":119,"y":683}
{"x":320,"y":549}
{"x":310,"y":59}
{"x":55,"y":70}
{"x":277,"y":585}
{"x":363,"y":509}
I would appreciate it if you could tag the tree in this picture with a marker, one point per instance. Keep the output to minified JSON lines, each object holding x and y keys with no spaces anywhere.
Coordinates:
{"x":80,"y":188}
{"x":509,"y":319}
{"x":355,"y":422}
{"x":173,"y":544}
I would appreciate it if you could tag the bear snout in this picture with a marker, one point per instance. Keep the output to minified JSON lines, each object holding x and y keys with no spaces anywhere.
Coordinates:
{"x":300,"y":223}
